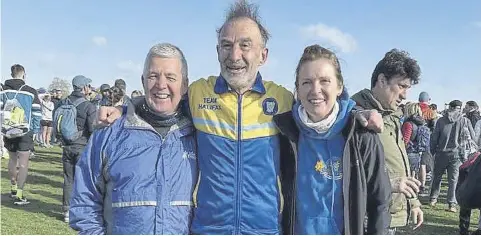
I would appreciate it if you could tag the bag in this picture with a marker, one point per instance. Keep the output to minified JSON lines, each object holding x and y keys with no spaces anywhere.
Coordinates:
{"x":467,"y":145}
{"x":65,"y":120}
{"x":14,"y":121}
{"x":468,"y":189}
{"x":420,"y":139}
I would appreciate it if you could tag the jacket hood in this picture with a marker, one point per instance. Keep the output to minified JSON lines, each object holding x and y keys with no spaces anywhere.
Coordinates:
{"x":13,"y":83}
{"x":453,"y":115}
{"x":345,"y":107}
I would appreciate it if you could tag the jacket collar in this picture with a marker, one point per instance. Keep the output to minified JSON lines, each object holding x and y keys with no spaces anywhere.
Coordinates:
{"x":221,"y":85}
{"x":133,"y":121}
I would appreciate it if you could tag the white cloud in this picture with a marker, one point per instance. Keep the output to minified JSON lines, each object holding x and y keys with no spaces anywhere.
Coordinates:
{"x":332,"y":35}
{"x":99,"y":40}
{"x":130,"y":66}
{"x":477,"y":24}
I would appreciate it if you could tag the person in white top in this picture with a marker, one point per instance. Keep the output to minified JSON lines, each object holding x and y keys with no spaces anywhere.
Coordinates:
{"x":46,"y":122}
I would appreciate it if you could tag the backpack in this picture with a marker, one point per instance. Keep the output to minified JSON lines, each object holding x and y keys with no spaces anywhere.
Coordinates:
{"x":468,"y":189}
{"x":65,"y":120}
{"x":14,"y":122}
{"x":420,"y":139}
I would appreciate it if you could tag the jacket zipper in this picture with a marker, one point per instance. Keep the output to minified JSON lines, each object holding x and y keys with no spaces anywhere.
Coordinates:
{"x":238,"y":163}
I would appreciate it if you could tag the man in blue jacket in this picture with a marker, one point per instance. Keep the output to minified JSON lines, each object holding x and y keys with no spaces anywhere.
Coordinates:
{"x":137,"y":176}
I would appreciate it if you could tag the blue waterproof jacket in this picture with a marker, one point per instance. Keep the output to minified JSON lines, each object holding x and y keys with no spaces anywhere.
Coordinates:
{"x":130,"y":180}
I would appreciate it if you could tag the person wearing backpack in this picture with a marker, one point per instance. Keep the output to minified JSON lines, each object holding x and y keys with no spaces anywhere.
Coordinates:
{"x":416,"y":135}
{"x":73,"y":125}
{"x":22,"y":112}
{"x":447,"y":148}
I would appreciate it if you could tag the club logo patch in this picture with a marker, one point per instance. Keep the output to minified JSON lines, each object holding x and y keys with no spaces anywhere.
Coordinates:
{"x":270,"y":106}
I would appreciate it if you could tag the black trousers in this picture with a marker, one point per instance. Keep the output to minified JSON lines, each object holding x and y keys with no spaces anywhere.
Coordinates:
{"x":70,"y":156}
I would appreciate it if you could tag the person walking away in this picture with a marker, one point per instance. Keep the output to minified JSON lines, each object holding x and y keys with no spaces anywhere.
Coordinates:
{"x":448,"y":151}
{"x":73,"y":122}
{"x":416,"y":137}
{"x":21,"y":109}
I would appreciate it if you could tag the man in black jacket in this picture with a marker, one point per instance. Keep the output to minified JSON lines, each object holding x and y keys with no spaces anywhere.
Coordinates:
{"x":71,"y":151}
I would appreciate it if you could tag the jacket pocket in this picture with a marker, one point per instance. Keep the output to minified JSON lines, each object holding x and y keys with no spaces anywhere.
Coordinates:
{"x":281,"y":196}
{"x":179,"y":215}
{"x":398,"y":203}
{"x":196,"y":190}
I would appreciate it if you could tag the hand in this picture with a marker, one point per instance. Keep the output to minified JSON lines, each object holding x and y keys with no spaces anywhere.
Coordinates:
{"x":107,"y":115}
{"x":418,"y":217}
{"x":409,"y":186}
{"x":371,"y":119}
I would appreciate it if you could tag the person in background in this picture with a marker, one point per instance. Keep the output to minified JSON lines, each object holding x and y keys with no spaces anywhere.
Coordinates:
{"x":46,"y":122}
{"x":445,"y":147}
{"x":416,"y":135}
{"x":86,"y":112}
{"x":117,"y":96}
{"x":19,"y":148}
{"x":105,"y":92}
{"x":136,"y":93}
{"x":471,"y":110}
{"x":120,"y":83}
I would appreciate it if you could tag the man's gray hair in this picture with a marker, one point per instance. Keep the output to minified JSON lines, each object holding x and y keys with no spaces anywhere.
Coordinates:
{"x":167,"y":50}
{"x":244,"y":9}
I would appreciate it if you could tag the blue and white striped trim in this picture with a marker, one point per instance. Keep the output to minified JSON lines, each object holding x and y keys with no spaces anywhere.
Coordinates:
{"x":132,"y":204}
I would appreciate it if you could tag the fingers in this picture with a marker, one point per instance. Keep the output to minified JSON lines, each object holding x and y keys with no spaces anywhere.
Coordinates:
{"x":408,"y":192}
{"x":420,"y":219}
{"x":418,"y":183}
{"x":360,"y":117}
{"x":413,"y":185}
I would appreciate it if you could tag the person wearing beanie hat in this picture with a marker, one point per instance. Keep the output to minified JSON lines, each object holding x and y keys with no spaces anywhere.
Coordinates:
{"x":445,"y":147}
{"x":105,"y":92}
{"x":120,"y":83}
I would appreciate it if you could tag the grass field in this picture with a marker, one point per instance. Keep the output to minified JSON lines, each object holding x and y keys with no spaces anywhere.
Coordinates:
{"x":44,"y":190}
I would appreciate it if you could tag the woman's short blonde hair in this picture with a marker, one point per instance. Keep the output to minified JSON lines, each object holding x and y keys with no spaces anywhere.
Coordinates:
{"x":412,"y":109}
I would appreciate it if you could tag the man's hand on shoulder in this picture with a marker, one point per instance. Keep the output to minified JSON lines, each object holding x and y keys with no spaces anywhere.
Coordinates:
{"x":107,"y":115}
{"x":371,"y":119}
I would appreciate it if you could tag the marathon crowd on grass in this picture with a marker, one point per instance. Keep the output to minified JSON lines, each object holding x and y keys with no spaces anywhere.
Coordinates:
{"x":236,"y":154}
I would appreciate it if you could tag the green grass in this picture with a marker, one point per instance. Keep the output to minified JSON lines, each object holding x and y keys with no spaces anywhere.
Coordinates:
{"x":44,"y":213}
{"x":44,"y":191}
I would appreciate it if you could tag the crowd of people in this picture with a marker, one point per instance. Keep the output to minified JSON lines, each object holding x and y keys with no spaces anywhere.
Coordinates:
{"x":235,"y":154}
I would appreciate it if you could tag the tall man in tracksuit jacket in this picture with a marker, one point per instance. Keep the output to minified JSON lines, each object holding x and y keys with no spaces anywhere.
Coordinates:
{"x":19,"y":148}
{"x":71,"y":151}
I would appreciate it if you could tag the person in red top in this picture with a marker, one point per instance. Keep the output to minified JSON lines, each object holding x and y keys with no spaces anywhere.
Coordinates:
{"x":416,"y":138}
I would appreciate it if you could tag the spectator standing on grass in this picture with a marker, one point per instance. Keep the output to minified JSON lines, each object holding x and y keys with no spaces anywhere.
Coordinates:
{"x":446,"y":147}
{"x":84,"y":120}
{"x":46,"y":122}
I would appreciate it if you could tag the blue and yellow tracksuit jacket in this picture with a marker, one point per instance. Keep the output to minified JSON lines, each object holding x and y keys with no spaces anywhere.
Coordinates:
{"x":239,"y":187}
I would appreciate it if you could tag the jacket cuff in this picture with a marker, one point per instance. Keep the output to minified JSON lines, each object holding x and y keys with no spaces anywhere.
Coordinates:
{"x":414,"y":203}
